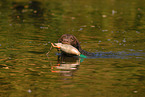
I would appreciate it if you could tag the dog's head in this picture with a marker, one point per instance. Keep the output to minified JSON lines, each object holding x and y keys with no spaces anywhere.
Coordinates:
{"x":69,"y":39}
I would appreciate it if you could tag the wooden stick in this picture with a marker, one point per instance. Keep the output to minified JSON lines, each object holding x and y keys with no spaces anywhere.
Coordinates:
{"x":48,"y":51}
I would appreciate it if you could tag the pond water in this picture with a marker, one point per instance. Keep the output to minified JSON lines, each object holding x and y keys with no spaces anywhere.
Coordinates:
{"x":113,"y":30}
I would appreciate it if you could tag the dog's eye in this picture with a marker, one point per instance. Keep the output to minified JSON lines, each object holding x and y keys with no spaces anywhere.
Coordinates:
{"x":72,"y":39}
{"x":64,"y":37}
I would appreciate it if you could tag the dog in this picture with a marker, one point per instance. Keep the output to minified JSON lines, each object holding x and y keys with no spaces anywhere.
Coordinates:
{"x":72,"y":40}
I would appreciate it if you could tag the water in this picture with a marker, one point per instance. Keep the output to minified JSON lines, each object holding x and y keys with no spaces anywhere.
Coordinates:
{"x":113,"y":30}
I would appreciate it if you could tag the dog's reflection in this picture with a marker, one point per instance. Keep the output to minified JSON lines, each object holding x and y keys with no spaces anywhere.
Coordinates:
{"x":66,"y":66}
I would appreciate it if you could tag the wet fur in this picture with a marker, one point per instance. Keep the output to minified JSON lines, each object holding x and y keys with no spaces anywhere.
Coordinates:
{"x":72,"y":40}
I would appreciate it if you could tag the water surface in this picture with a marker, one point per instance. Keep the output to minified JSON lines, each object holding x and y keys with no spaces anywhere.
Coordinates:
{"x":113,"y":30}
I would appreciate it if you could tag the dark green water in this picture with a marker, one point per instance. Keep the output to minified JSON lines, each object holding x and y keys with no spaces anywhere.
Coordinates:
{"x":102,"y":26}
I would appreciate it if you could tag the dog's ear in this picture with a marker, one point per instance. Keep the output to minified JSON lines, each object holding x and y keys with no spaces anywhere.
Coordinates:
{"x":76,"y":43}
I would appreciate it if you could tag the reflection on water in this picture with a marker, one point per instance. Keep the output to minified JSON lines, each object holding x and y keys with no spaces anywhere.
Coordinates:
{"x":113,"y":29}
{"x":66,"y":65}
{"x":33,"y":10}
